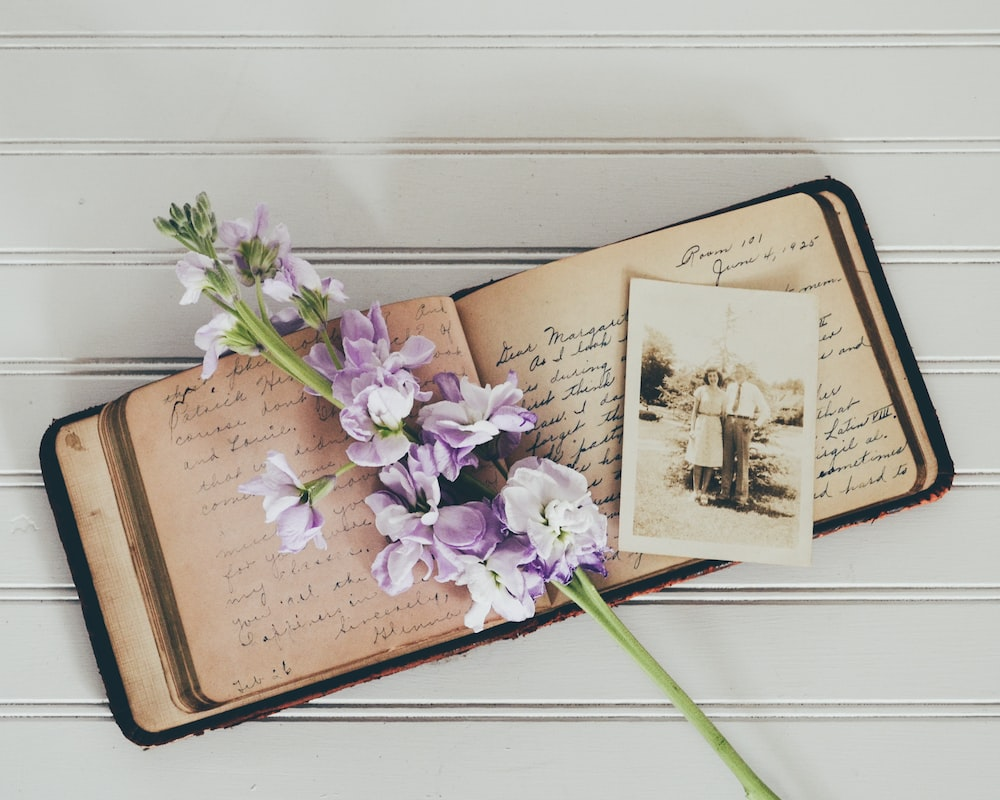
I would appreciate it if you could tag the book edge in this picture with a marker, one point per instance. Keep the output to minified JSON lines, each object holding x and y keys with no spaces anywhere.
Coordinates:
{"x":72,"y":543}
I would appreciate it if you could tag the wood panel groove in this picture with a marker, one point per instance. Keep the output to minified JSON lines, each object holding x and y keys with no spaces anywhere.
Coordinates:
{"x":330,"y":710}
{"x":547,"y":147}
{"x":603,"y":40}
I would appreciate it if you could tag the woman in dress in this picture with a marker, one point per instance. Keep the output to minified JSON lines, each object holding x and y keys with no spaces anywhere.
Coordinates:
{"x":704,"y":451}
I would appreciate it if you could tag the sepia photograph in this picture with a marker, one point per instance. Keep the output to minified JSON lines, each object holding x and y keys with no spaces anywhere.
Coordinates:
{"x":719,"y":431}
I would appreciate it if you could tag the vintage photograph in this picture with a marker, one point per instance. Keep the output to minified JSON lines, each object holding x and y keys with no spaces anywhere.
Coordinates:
{"x":719,"y":423}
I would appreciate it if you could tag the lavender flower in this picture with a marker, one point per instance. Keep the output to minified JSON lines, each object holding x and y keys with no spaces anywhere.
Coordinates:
{"x":463,"y":535}
{"x":369,"y":357}
{"x":551,"y":504}
{"x":412,"y":507}
{"x":466,"y":545}
{"x":326,"y":362}
{"x":198,"y":273}
{"x":289,"y":502}
{"x":254,"y":251}
{"x":409,"y":504}
{"x":456,"y":544}
{"x":413,"y":514}
{"x":404,"y":513}
{"x":393,"y":566}
{"x":448,"y":461}
{"x":376,"y":418}
{"x":471,"y":417}
{"x":296,"y":281}
{"x":192,"y":273}
{"x":221,"y":334}
{"x":375,"y":386}
{"x":501,"y":583}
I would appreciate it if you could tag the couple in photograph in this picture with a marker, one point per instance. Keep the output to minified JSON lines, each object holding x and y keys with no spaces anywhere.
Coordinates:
{"x":723,"y":421}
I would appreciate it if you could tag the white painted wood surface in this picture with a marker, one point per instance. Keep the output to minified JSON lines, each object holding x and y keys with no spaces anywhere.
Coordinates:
{"x":417,"y":148}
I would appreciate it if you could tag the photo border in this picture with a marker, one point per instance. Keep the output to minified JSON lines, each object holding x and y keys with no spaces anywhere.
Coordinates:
{"x":791,"y":322}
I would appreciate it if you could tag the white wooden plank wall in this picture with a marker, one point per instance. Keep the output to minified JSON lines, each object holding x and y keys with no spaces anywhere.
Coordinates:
{"x":419,"y":148}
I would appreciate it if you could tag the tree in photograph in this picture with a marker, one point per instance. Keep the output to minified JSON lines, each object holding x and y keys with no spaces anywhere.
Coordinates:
{"x":657,"y":366}
{"x":726,"y":358}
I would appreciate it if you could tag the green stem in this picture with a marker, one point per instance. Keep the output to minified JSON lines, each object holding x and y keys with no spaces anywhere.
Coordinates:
{"x":583,"y":592}
{"x":330,"y":348}
{"x":261,"y":304}
{"x":345,"y":469}
{"x":221,"y":303}
{"x":278,"y":352}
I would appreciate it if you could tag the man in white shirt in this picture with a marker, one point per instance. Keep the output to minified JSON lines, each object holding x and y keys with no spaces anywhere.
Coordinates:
{"x":745,"y":409}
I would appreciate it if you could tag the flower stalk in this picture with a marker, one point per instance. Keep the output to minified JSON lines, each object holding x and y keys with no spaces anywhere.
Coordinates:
{"x":278,"y":352}
{"x":583,"y":592}
{"x":438,"y":517}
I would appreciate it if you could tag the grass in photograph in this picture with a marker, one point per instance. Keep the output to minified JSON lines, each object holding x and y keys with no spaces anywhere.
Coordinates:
{"x":664,"y":504}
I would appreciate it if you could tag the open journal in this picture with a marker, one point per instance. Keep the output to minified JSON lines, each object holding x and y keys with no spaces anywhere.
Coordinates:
{"x":197,"y":620}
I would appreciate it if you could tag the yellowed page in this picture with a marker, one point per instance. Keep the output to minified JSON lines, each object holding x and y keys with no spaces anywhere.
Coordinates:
{"x":563,"y":328}
{"x":123,"y":613}
{"x":255,"y":620}
{"x":92,"y":497}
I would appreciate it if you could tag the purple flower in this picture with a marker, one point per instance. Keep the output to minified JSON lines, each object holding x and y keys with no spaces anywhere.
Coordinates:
{"x":296,"y":281}
{"x":393,"y":566}
{"x":289,"y":502}
{"x":374,"y":386}
{"x":234,"y":232}
{"x":376,"y":418}
{"x":447,"y":461}
{"x":404,"y":513}
{"x":254,"y":251}
{"x":286,"y":321}
{"x":191,"y":272}
{"x":369,"y":357}
{"x":551,"y":505}
{"x":221,"y":334}
{"x":294,"y":276}
{"x":464,"y":534}
{"x":299,"y":525}
{"x":502,"y":582}
{"x":199,"y":273}
{"x":408,"y":505}
{"x":411,"y":512}
{"x":472,"y":416}
{"x":470,"y":528}
{"x":321,"y":360}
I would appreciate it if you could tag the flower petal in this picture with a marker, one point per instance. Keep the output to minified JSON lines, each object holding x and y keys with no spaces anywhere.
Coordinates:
{"x":380,"y":451}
